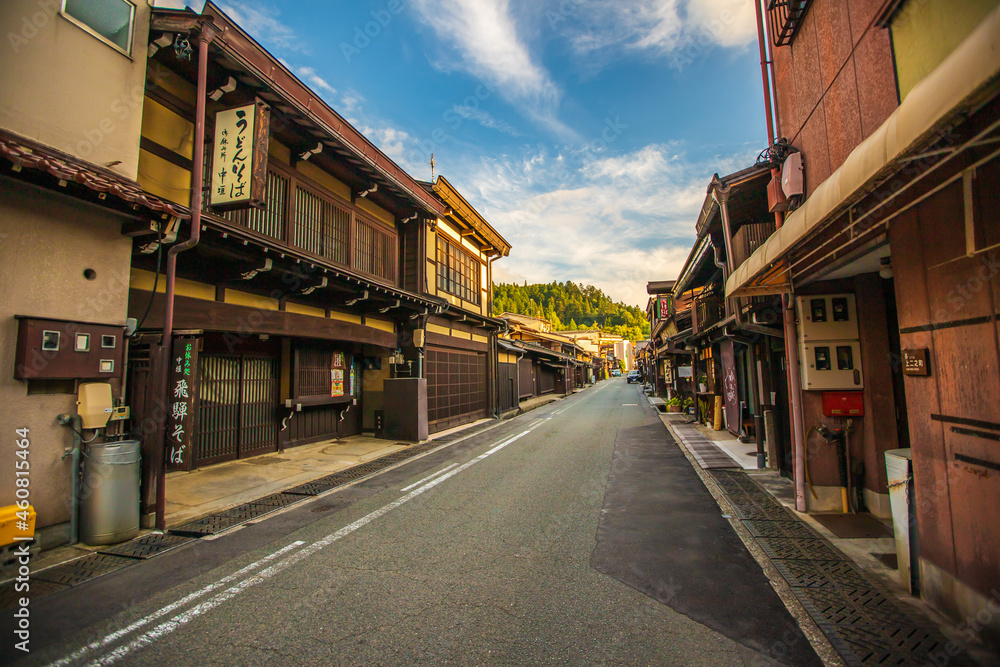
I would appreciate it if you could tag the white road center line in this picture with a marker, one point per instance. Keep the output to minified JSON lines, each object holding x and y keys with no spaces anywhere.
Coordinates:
{"x":163,"y":611}
{"x":181,"y":619}
{"x":431,"y":476}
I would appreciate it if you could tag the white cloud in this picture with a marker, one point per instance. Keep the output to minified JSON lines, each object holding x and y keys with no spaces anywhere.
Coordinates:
{"x":615,"y":222}
{"x":485,"y":36}
{"x":262,"y":23}
{"x":390,"y":141}
{"x":678,"y":30}
{"x":485,"y":119}
{"x":313,"y":79}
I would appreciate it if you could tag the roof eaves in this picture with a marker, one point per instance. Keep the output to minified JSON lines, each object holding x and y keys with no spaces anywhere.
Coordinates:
{"x":240,"y":46}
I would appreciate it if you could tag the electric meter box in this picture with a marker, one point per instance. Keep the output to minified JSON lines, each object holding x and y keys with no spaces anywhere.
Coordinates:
{"x":831,"y":364}
{"x":95,"y":404}
{"x":827,"y":317}
{"x":64,"y":350}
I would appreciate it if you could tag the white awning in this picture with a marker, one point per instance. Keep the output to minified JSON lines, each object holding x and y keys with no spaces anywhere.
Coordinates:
{"x":974,"y":64}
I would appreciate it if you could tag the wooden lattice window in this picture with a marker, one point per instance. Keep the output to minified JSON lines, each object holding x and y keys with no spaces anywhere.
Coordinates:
{"x":312,"y":372}
{"x":269,"y":220}
{"x":374,"y":250}
{"x":321,"y":227}
{"x":457,"y":271}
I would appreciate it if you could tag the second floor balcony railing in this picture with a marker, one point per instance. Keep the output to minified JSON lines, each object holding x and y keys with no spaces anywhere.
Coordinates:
{"x":709,"y":309}
{"x":746,"y":240}
{"x":303,"y":217}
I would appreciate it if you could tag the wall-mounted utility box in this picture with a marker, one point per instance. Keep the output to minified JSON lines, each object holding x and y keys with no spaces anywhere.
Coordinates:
{"x":63,"y":350}
{"x":831,"y":364}
{"x":843,"y":404}
{"x":827,"y":317}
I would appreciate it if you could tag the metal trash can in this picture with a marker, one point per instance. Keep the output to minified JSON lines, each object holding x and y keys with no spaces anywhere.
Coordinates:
{"x":109,"y":492}
{"x":899,"y":471}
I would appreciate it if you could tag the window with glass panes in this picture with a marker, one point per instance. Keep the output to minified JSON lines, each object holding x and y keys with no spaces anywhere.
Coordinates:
{"x":457,"y":271}
{"x":111,"y":20}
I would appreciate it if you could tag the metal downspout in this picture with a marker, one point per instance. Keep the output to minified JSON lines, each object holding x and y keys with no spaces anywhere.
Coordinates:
{"x":205,"y":36}
{"x":762,"y":45}
{"x":788,"y":306}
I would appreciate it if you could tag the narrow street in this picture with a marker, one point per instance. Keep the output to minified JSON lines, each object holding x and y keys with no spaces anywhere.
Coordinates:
{"x":573,"y":534}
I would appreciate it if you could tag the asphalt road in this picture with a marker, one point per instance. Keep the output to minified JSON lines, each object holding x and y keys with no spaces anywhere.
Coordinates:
{"x":574,"y":534}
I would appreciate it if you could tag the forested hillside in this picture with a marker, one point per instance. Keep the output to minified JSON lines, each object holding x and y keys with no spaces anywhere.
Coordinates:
{"x":571,"y":306}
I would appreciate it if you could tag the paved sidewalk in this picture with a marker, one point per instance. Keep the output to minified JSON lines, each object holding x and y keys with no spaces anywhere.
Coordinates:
{"x":865,"y":621}
{"x":217,"y":487}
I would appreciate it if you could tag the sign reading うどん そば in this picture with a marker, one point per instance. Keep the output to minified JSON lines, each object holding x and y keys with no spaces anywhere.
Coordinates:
{"x":239,"y":157}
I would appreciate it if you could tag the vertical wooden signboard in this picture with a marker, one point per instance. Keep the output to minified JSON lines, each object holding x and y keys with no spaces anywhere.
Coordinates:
{"x":182,"y":406}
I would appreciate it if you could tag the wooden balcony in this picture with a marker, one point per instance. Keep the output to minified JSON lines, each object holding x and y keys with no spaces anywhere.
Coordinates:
{"x":708,"y":310}
{"x":748,"y":238}
{"x":299,"y":215}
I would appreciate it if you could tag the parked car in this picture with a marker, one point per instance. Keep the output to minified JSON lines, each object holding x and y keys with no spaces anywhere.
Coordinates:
{"x":634,"y":376}
{"x":616,"y":373}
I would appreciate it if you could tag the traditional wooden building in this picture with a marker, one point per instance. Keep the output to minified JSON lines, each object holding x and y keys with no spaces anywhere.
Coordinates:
{"x":601,"y":346}
{"x":886,"y":260}
{"x":342,"y":296}
{"x":546,"y":362}
{"x":736,"y":344}
{"x":461,"y":351}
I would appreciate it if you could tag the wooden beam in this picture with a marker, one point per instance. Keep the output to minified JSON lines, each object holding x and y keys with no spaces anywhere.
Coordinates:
{"x":244,"y":321}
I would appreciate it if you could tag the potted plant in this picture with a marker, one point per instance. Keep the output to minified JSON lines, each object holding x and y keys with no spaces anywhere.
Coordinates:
{"x":674,"y":404}
{"x":703,"y":383}
{"x":686,"y":407}
{"x":704,"y":412}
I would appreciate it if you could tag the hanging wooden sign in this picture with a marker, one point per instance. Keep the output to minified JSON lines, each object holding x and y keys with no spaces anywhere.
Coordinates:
{"x":239,"y":157}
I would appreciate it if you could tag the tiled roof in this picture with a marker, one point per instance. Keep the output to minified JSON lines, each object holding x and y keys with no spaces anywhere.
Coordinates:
{"x":25,"y":153}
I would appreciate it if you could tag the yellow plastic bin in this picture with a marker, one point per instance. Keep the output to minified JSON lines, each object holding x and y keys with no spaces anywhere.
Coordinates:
{"x":13,"y":526}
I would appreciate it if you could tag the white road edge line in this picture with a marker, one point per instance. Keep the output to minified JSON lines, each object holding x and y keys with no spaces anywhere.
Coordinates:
{"x":206,"y":606}
{"x":429,"y":477}
{"x":114,"y":636}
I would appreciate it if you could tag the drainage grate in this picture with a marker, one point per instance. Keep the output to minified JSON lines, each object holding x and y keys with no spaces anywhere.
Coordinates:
{"x":887,"y":645}
{"x":147,"y":546}
{"x":277,"y":500}
{"x":761,"y":512}
{"x":311,"y":488}
{"x":865,"y":625}
{"x":216,"y":523}
{"x":790,"y":528}
{"x":83,"y":569}
{"x":790,"y":548}
{"x":9,"y":595}
{"x":209,"y":525}
{"x":822,"y":574}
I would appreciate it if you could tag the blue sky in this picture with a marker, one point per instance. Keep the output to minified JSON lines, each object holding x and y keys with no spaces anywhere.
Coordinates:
{"x":585,"y":131}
